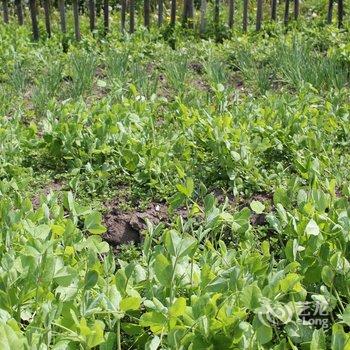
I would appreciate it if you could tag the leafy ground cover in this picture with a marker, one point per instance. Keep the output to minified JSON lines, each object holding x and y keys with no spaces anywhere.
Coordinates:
{"x":226,"y":165}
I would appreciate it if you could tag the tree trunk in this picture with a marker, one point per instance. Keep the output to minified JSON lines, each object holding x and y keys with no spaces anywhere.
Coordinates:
{"x":340,"y":13}
{"x":105,"y":16}
{"x":296,"y":9}
{"x":259,"y":14}
{"x":160,"y":13}
{"x":91,"y":5}
{"x":231,"y":13}
{"x":203,"y":20}
{"x":190,"y":13}
{"x":274,"y":10}
{"x":173,"y":13}
{"x":146,"y":13}
{"x":286,"y":13}
{"x":5,"y":9}
{"x":46,"y":5}
{"x":123,"y":15}
{"x":132,"y":16}
{"x":35,"y":28}
{"x":62,"y":15}
{"x":187,"y":15}
{"x":19,"y":11}
{"x":330,"y":11}
{"x":76,"y":20}
{"x":216,"y":15}
{"x":245,"y":15}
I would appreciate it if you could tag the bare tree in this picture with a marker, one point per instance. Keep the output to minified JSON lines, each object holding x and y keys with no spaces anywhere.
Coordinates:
{"x":296,"y":9}
{"x":340,"y":13}
{"x":245,"y":15}
{"x":286,"y":12}
{"x":46,"y":5}
{"x":123,"y":14}
{"x":203,"y":19}
{"x":274,"y":10}
{"x":132,"y":16}
{"x":173,"y":13}
{"x":19,"y":11}
{"x":5,"y":10}
{"x":231,"y":13}
{"x":62,"y":10}
{"x":76,"y":20}
{"x":146,"y":13}
{"x":105,"y":16}
{"x":33,"y":15}
{"x":92,"y":14}
{"x":259,"y":14}
{"x":160,"y":13}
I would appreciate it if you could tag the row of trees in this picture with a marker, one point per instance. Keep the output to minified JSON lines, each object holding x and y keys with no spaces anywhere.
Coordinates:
{"x":187,"y":13}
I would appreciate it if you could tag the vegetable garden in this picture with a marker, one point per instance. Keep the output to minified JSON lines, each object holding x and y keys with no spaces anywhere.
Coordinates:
{"x":175,"y":175}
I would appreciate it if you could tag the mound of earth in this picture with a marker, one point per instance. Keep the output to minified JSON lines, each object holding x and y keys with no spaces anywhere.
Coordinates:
{"x":126,"y":227}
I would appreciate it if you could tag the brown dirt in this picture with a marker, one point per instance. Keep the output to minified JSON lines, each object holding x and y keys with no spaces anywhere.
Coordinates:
{"x":262,"y":197}
{"x":150,"y":67}
{"x":197,"y":67}
{"x":53,"y":186}
{"x":236,"y":81}
{"x":126,"y":227}
{"x":200,"y":84}
{"x":220,"y":194}
{"x":164,"y":89}
{"x":259,"y":219}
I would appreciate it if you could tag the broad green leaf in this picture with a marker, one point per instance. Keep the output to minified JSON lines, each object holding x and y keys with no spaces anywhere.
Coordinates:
{"x":340,"y":339}
{"x":179,"y":246}
{"x":121,"y":281}
{"x":187,"y":188}
{"x":346,"y":315}
{"x":250,"y":297}
{"x":290,"y":282}
{"x":327,"y":276}
{"x":264,"y":334}
{"x":241,"y":220}
{"x":130,"y":303}
{"x":153,"y":344}
{"x":96,"y":335}
{"x":312,"y":228}
{"x":92,"y":223}
{"x":155,"y":320}
{"x":318,"y":341}
{"x":178,"y":308}
{"x":339,"y":263}
{"x":281,"y":196}
{"x":131,"y":328}
{"x":65,"y":276}
{"x":9,"y":339}
{"x":57,"y":230}
{"x":302,"y":197}
{"x":163,"y":270}
{"x":91,"y":279}
{"x":257,"y":207}
{"x":111,"y":341}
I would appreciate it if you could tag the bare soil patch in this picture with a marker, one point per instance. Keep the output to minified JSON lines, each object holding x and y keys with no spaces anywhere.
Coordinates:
{"x":126,"y":227}
{"x":53,"y":186}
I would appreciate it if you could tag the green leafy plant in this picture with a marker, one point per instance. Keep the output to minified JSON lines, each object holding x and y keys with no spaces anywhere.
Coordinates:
{"x":228,"y":161}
